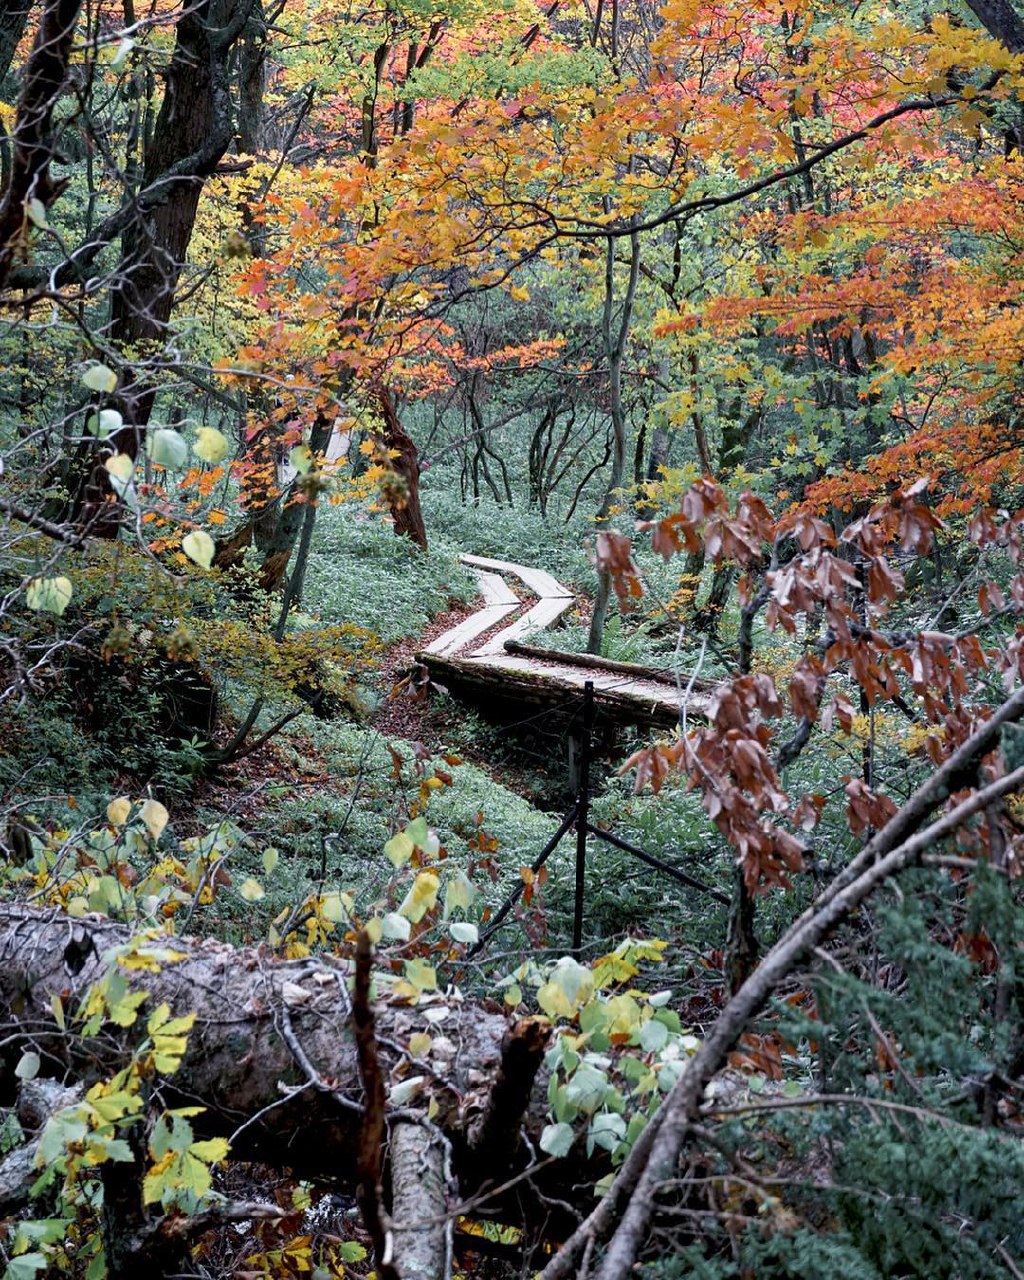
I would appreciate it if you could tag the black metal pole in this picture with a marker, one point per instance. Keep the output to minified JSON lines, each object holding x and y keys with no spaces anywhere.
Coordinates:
{"x":583,"y":815}
{"x":659,"y":864}
{"x":517,"y":892}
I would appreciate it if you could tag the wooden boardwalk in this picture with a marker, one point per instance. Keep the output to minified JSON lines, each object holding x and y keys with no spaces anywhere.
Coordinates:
{"x":502,"y":666}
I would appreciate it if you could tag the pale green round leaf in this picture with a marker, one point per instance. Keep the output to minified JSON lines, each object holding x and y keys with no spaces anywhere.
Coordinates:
{"x":28,"y":1065}
{"x":99,"y":378}
{"x":49,"y":595}
{"x":251,"y":890}
{"x":167,"y":448}
{"x":104,"y":423}
{"x":557,"y":1139}
{"x":461,"y":931}
{"x":395,"y":927}
{"x":199,"y":546}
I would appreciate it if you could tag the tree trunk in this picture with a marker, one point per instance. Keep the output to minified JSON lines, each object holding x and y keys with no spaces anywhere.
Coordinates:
{"x":32,"y":143}
{"x":242,"y":1066}
{"x":615,"y":350}
{"x":405,"y":502}
{"x":193,"y":131}
{"x":13,"y":21}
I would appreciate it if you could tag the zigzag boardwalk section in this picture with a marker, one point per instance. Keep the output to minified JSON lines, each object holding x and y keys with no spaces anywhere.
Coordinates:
{"x":505,"y":673}
{"x":500,"y":671}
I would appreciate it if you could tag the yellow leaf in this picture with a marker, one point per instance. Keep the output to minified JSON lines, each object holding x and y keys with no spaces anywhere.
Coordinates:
{"x":118,"y":811}
{"x":421,"y":897}
{"x":155,"y":816}
{"x":211,"y":445}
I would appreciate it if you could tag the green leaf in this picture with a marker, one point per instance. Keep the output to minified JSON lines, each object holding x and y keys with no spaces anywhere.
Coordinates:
{"x":99,"y":378}
{"x":211,"y":445}
{"x":557,"y":1139}
{"x":28,"y":1065}
{"x":270,"y":859}
{"x":464,"y":932}
{"x":167,"y":448}
{"x":606,"y":1131}
{"x":423,"y":837}
{"x":26,"y":1266}
{"x":653,"y":1036}
{"x":104,"y":423}
{"x":587,"y":1088}
{"x":395,"y":927}
{"x":421,"y":975}
{"x":199,"y":546}
{"x":301,"y":459}
{"x":49,"y":595}
{"x":251,"y":890}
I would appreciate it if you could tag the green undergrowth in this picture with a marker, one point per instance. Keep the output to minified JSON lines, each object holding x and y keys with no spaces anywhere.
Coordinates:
{"x":360,"y":572}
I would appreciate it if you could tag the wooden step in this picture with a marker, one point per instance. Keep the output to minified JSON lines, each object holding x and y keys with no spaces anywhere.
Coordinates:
{"x":542,"y":615}
{"x":457,"y":638}
{"x":494,"y":588}
{"x":540,"y":583}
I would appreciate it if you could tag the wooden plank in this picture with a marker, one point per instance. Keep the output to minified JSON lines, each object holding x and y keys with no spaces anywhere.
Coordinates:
{"x":494,"y":588}
{"x":539,"y":582}
{"x":457,"y":638}
{"x":543,"y":613}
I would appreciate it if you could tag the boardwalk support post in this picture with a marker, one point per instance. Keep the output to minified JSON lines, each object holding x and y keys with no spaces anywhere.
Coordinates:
{"x":583,"y":815}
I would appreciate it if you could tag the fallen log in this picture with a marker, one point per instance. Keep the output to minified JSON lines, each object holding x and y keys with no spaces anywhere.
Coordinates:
{"x":273,"y":1059}
{"x":248,"y":1006}
{"x":595,"y":662}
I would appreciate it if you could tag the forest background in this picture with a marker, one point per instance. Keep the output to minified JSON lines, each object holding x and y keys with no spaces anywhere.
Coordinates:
{"x":714,"y":311}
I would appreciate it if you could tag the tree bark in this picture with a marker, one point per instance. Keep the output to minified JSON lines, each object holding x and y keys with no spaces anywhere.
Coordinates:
{"x":1001,"y":20}
{"x":418,"y":1203}
{"x":615,"y":350}
{"x":626,"y":1212}
{"x":13,"y":21}
{"x":193,"y":131}
{"x":272,"y":1056}
{"x":405,"y":505}
{"x":32,"y":142}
